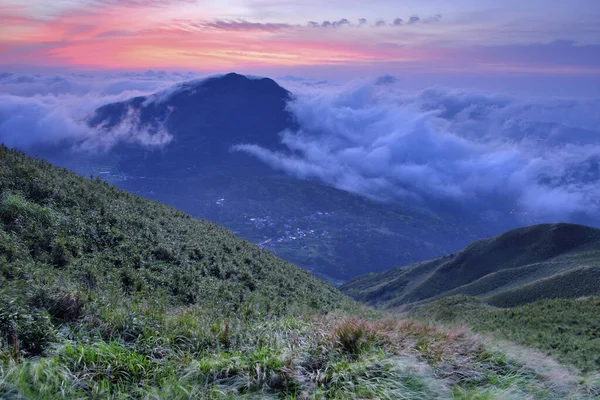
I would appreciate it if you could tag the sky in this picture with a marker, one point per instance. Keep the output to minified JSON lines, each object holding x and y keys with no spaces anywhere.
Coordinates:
{"x":326,"y":38}
{"x":492,"y":104}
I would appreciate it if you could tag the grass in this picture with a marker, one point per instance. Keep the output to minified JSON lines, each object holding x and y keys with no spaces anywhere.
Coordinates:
{"x":567,"y":329}
{"x":106,"y":295}
{"x":517,"y":267}
{"x":335,"y":357}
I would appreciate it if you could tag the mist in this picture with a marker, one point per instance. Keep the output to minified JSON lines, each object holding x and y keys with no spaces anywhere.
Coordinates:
{"x":39,"y":110}
{"x":494,"y":153}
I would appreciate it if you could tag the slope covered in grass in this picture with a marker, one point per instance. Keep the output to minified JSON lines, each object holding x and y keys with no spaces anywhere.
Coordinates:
{"x":568,"y":329}
{"x":87,"y":235}
{"x":520,"y":266}
{"x":74,"y":250}
{"x":106,"y":295}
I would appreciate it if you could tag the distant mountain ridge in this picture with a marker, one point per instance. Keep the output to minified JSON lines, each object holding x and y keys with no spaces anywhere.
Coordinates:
{"x":197,"y":172}
{"x":517,"y":267}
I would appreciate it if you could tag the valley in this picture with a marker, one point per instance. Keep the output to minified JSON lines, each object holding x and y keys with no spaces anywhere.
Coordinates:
{"x":304,"y":222}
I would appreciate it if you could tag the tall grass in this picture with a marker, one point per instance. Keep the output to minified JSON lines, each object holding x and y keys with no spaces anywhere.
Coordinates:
{"x":310,"y":357}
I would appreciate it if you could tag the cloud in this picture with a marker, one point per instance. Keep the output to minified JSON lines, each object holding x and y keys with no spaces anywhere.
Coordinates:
{"x":291,"y":82}
{"x":386,"y":80}
{"x":38,"y":110}
{"x":82,"y":84}
{"x":442,"y":147}
{"x":31,"y":122}
{"x":242,"y":25}
{"x":397,"y":22}
{"x":143,"y":3}
{"x":331,"y":24}
{"x":432,"y":19}
{"x":341,"y":22}
{"x":557,"y":53}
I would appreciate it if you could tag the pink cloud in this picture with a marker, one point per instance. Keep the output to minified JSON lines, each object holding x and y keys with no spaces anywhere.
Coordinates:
{"x":105,"y":35}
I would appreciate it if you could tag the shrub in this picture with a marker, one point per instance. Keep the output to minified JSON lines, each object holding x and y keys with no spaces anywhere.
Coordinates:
{"x":107,"y":361}
{"x":14,"y":207}
{"x":353,"y":336}
{"x":65,"y":306}
{"x":162,"y":253}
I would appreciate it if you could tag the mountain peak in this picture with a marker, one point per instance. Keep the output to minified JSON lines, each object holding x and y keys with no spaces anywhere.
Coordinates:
{"x":204,"y":119}
{"x":230,"y":83}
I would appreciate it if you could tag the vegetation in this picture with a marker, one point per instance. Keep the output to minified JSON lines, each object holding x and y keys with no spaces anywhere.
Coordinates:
{"x":311,"y":358}
{"x":59,"y":229}
{"x":106,"y":295}
{"x":565,"y":328}
{"x":517,"y":267}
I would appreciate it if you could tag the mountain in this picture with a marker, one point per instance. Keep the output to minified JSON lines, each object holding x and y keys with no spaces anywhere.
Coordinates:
{"x":93,"y":235}
{"x":205,"y":118}
{"x":335,"y":234}
{"x":517,"y":267}
{"x":104,"y":294}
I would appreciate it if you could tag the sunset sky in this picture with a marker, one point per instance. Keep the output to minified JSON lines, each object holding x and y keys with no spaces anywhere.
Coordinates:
{"x":549,"y":37}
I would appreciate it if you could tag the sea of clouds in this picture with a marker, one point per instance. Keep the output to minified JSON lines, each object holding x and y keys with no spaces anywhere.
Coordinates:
{"x":496,"y":153}
{"x":538,"y":157}
{"x":37,"y":110}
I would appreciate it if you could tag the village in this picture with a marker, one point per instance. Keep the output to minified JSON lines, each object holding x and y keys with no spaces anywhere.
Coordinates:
{"x":290,"y":232}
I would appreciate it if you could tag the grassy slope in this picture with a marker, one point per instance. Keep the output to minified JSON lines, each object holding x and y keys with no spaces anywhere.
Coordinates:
{"x":93,"y":235}
{"x":119,"y":297}
{"x":565,"y":328}
{"x":517,"y":267}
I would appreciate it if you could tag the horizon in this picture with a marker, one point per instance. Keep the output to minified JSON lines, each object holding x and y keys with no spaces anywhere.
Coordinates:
{"x":541,"y":46}
{"x":481,"y":104}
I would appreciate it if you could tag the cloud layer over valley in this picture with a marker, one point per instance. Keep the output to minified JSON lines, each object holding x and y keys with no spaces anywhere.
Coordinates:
{"x":485,"y":153}
{"x":494,"y":153}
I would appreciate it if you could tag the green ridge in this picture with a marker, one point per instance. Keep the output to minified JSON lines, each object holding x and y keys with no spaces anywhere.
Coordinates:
{"x":517,"y":267}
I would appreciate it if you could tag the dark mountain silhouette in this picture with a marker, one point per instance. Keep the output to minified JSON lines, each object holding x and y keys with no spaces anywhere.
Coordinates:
{"x":205,"y":118}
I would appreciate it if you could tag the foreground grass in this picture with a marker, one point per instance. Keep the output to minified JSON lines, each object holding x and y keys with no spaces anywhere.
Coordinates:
{"x":106,"y":295}
{"x":190,"y":353}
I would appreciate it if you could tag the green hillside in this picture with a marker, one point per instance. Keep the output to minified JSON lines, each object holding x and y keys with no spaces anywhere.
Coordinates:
{"x":105,"y":295}
{"x":517,"y":267}
{"x":566,"y":328}
{"x":54,"y":223}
